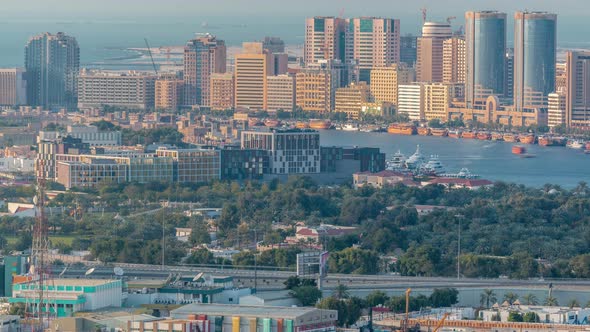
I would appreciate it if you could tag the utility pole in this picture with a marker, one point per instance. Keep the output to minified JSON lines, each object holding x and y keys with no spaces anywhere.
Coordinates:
{"x":255,"y":260}
{"x":459,"y":217}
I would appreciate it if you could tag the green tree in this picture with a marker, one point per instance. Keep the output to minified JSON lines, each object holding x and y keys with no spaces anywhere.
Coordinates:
{"x":376,"y":298}
{"x":201,"y":256}
{"x":530,"y":299}
{"x":530,"y":317}
{"x":514,"y":316}
{"x":306,"y":295}
{"x":444,"y":297}
{"x":355,"y":261}
{"x":510,"y":297}
{"x":573,"y":303}
{"x":551,"y":301}
{"x":420,"y":261}
{"x":199,"y":234}
{"x":341,"y":292}
{"x":487,"y":297}
{"x":292,"y":282}
{"x":17,"y":309}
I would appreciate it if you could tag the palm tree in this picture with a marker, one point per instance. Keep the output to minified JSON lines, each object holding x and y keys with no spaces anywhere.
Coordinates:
{"x":488,"y":296}
{"x":573,"y":303}
{"x":551,"y":301}
{"x":510,"y":297}
{"x":530,"y":299}
{"x":341,"y":292}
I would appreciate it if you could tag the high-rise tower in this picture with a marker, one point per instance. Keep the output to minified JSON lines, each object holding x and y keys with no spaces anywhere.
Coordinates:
{"x":534,"y":58}
{"x":324,"y":39}
{"x":429,"y":59}
{"x":202,"y":57}
{"x":485,"y":36}
{"x":52,"y":63}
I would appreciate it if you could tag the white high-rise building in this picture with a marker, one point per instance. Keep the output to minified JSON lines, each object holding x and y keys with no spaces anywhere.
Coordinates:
{"x":556,"y":111}
{"x":411,"y":100}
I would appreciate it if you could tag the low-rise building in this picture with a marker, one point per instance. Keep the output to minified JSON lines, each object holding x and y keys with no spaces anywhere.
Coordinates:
{"x":222,"y":92}
{"x":382,"y":178}
{"x":65,"y":297}
{"x":193,"y":165}
{"x":457,"y":183}
{"x":132,"y":90}
{"x":280,"y":93}
{"x":168,"y":94}
{"x":350,"y":99}
{"x":94,"y":137}
{"x":546,"y":314}
{"x":260,"y":318}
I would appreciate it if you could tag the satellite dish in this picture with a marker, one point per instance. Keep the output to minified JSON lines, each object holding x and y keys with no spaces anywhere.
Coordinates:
{"x":32,"y":269}
{"x":89,"y":272}
{"x":118,"y":271}
{"x":64,"y":271}
{"x":198,"y":276}
{"x":35,"y":200}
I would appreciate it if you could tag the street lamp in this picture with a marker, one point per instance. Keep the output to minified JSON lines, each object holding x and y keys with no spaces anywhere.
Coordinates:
{"x":459,"y":217}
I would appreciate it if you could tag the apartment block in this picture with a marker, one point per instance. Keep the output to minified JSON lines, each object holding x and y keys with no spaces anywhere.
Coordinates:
{"x":203,"y":56}
{"x":437,"y":99}
{"x":350,"y":100}
{"x":556,"y":113}
{"x":411,"y":101}
{"x":280,"y":93}
{"x":578,"y":89}
{"x":13,"y":87}
{"x":385,"y":81}
{"x":429,"y":58}
{"x":169,"y":94}
{"x":131,"y":90}
{"x":454,"y":65}
{"x":324,"y":39}
{"x":222,"y":92}
{"x":252,"y":66}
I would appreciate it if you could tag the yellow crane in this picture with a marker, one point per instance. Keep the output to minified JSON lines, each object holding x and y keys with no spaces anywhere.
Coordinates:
{"x":441,"y":322}
{"x":406,"y":320}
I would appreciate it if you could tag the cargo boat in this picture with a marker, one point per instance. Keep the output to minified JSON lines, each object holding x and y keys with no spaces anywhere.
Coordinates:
{"x":511,"y":138}
{"x":455,"y":134}
{"x":301,"y":125}
{"x":439,"y":132}
{"x":320,"y":124}
{"x":482,"y":135}
{"x":518,"y":149}
{"x":575,"y":144}
{"x":401,"y":129}
{"x":469,"y":134}
{"x":545,"y":141}
{"x":527,"y":139}
{"x":423,"y":131}
{"x":272,"y":123}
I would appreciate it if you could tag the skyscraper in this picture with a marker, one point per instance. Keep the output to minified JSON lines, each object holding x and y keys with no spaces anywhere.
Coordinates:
{"x":485,"y":36}
{"x":324,"y":39}
{"x":454,"y":60}
{"x":407,"y":50}
{"x":52,"y":63}
{"x":373,"y":42}
{"x":577,"y":89}
{"x":202,"y":57}
{"x":429,"y":58}
{"x":252,"y":66}
{"x":534,"y":58}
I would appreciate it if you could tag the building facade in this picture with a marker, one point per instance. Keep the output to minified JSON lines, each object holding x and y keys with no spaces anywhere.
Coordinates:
{"x":316,"y":88}
{"x":350,"y":100}
{"x":429,"y":58}
{"x":485,"y":35}
{"x":203,"y":56}
{"x":324,"y":39}
{"x":168,"y":94}
{"x":454,"y":70}
{"x":252,"y":66}
{"x":535,"y":42}
{"x":373,"y":42}
{"x":385,"y":81}
{"x":578,"y":89}
{"x":94,"y":137}
{"x":13,"y":87}
{"x":411,"y":101}
{"x":52,"y":63}
{"x":556,"y":112}
{"x":130,"y":90}
{"x":290,"y":151}
{"x":408,"y":50}
{"x":244,"y":164}
{"x":437,"y":99}
{"x":280,"y":93}
{"x":222,"y":92}
{"x":193,"y":165}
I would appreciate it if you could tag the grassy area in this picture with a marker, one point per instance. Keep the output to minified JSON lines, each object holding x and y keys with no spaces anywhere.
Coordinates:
{"x":67,"y":240}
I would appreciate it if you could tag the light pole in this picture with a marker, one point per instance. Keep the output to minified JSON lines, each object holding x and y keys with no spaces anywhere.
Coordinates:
{"x":459,"y":217}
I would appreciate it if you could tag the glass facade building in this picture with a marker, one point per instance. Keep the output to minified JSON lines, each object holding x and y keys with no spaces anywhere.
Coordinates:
{"x":485,"y":36}
{"x":534,"y":58}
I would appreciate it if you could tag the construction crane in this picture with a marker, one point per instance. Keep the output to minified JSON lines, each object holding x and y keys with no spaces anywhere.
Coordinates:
{"x":407,"y":318}
{"x":424,"y":12}
{"x":450,"y":19}
{"x":151,"y":56}
{"x":441,"y":322}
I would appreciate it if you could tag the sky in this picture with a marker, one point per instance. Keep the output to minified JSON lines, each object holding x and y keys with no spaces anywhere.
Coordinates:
{"x":152,"y":8}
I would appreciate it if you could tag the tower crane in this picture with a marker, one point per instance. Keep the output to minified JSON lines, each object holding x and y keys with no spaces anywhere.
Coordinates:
{"x":151,"y":56}
{"x":450,"y":19}
{"x":424,"y":12}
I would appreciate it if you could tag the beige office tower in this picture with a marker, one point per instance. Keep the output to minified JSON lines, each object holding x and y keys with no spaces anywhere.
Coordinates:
{"x":350,"y":99}
{"x":373,"y":42}
{"x":454,"y":56}
{"x":13,"y":87}
{"x":429,"y":58}
{"x":561,"y":77}
{"x":556,"y":111}
{"x":578,"y":89}
{"x":280,"y":93}
{"x":437,"y":99}
{"x":222,"y":92}
{"x":252,"y":66}
{"x":385,"y":81}
{"x":169,"y":93}
{"x":314,"y":91}
{"x":324,"y":39}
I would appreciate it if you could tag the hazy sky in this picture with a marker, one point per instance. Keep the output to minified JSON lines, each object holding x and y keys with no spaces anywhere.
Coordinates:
{"x":141,"y":8}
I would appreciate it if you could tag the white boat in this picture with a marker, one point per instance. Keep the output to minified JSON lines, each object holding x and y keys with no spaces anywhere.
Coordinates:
{"x":432,"y":167}
{"x":397,"y":161}
{"x":464,"y":173}
{"x":350,"y":127}
{"x":575,"y":144}
{"x":415,"y":160}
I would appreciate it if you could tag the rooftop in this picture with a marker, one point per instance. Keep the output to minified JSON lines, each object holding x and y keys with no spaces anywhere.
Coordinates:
{"x":242,"y":310}
{"x":78,"y":282}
